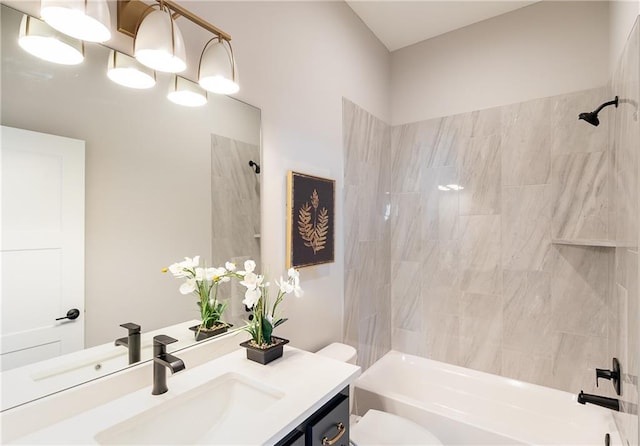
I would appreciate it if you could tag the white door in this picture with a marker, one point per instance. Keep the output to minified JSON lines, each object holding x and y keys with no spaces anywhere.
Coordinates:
{"x":42,"y":245}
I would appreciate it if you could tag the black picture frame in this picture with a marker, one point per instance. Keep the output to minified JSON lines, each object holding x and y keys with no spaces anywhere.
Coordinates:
{"x":310,"y":220}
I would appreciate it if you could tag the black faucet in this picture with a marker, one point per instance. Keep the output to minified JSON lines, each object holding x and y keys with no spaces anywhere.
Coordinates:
{"x":163,"y":361}
{"x":131,"y":342}
{"x":609,"y":403}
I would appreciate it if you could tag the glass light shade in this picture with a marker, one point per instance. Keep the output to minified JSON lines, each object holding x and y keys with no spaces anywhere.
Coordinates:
{"x":185,"y":92}
{"x":44,"y":42}
{"x":125,"y":70}
{"x":218,"y":73}
{"x":83,"y":19}
{"x":159,"y":43}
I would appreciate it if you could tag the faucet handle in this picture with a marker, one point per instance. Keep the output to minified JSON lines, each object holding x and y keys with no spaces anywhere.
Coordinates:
{"x":133,"y":328}
{"x":163,"y":340}
{"x":613,"y":375}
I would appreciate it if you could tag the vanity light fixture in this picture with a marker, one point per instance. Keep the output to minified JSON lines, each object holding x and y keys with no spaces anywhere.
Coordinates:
{"x":185,"y":92}
{"x":159,"y":44}
{"x":217,"y":69}
{"x":44,"y":42}
{"x":127,"y":71}
{"x":156,"y":35}
{"x":83,"y":19}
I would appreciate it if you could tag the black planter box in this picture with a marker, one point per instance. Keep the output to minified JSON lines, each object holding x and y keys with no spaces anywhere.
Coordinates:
{"x":208,"y":333}
{"x":265,"y":355}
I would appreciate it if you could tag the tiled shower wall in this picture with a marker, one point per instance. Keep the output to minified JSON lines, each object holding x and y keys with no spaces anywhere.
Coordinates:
{"x":624,"y":140}
{"x":367,"y":325}
{"x":235,"y":204}
{"x":476,"y":201}
{"x":475,"y":279}
{"x":496,"y":272}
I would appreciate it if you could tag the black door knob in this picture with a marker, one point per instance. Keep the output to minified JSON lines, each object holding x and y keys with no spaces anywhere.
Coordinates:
{"x":71,"y":315}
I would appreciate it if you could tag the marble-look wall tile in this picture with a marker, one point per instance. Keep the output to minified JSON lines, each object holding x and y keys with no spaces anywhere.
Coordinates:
{"x":485,"y":122}
{"x":367,"y":203}
{"x":570,"y":135}
{"x":235,"y":202}
{"x":480,"y":254}
{"x":580,"y":289}
{"x":526,"y":227}
{"x":580,"y":191}
{"x":495,"y":290}
{"x":575,"y":360}
{"x":523,"y":366}
{"x":624,"y":313}
{"x":480,"y":175}
{"x":527,"y":313}
{"x":440,"y":288}
{"x":406,"y":218}
{"x":405,"y":294}
{"x":481,"y":324}
{"x":526,"y":143}
{"x":441,"y":338}
{"x":439,"y":211}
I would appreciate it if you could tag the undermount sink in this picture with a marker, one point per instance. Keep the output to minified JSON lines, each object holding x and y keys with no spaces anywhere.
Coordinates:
{"x":211,"y":412}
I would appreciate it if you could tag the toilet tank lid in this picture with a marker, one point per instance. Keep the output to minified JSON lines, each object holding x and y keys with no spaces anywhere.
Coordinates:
{"x":340,"y":352}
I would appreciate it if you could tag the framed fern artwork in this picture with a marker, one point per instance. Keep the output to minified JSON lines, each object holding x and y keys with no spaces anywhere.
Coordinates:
{"x":310,"y":220}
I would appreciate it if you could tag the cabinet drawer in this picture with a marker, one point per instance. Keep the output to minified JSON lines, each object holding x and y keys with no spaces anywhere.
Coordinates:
{"x":331,"y":424}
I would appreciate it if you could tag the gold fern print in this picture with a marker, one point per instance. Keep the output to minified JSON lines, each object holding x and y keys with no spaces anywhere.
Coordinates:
{"x":314,"y":233}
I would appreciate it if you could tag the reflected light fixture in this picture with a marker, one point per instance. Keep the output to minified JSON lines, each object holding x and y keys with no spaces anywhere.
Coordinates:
{"x":44,"y":42}
{"x":83,"y":19}
{"x":185,"y":92}
{"x":127,"y":71}
{"x":159,"y":44}
{"x":217,"y":71}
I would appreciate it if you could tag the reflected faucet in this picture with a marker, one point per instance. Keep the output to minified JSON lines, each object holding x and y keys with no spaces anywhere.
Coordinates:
{"x":609,"y":403}
{"x":163,"y":361}
{"x":131,"y":342}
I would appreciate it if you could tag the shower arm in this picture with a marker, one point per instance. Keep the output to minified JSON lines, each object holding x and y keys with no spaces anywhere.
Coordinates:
{"x":606,"y":104}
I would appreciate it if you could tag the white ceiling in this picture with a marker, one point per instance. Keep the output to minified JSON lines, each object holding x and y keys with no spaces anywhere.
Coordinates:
{"x":399,"y":23}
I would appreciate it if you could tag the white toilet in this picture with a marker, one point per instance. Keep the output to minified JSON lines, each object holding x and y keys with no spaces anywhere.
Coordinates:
{"x":377,"y":427}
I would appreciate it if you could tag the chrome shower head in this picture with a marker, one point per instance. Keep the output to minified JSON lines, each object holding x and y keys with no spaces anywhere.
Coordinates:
{"x":592,"y":117}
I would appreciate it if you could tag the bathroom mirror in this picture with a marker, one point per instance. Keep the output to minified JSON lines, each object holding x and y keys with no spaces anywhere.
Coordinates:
{"x":161,"y":182}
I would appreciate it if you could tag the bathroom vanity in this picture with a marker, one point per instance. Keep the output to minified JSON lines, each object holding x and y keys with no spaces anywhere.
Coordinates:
{"x":228,"y":400}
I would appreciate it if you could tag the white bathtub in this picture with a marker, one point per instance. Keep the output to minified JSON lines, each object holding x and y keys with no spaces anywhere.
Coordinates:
{"x":464,"y":406}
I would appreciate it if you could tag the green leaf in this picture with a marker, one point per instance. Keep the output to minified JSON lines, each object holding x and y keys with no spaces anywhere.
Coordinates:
{"x":280,"y":322}
{"x":267,"y":329}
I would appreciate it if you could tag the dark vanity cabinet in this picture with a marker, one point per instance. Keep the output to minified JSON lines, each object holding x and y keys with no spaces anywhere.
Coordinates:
{"x":327,"y":426}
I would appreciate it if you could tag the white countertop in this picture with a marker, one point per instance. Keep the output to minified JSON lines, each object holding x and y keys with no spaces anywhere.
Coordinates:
{"x":26,"y":383}
{"x":306,"y":380}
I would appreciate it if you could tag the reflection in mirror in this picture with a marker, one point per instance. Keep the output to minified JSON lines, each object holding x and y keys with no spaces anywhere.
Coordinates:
{"x":154,"y":182}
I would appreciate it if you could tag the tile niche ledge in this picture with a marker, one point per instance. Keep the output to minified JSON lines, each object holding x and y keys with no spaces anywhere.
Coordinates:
{"x":584,"y":242}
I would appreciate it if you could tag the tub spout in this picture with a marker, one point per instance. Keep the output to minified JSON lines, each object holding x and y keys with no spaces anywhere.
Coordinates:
{"x":609,"y":403}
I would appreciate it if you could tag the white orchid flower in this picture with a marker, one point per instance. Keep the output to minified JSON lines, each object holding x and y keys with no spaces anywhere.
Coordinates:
{"x":231,"y":267}
{"x":189,"y":286}
{"x":249,"y":266}
{"x":294,"y":277}
{"x":251,"y":297}
{"x":298,"y":291}
{"x":177,"y":270}
{"x":285,"y":286}
{"x":190,"y":262}
{"x":252,"y":281}
{"x":200,"y":274}
{"x":215,"y":273}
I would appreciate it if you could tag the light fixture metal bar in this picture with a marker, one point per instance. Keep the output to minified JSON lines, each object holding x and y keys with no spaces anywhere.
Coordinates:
{"x":131,"y":13}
